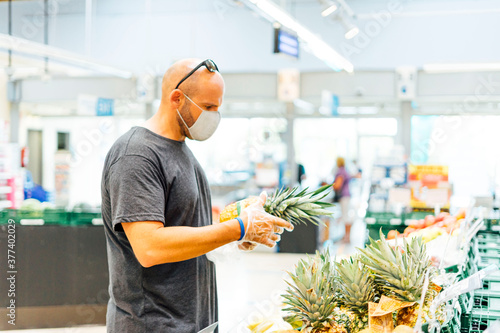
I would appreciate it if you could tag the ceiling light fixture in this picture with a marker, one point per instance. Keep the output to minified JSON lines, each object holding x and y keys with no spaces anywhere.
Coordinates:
{"x":464,"y":67}
{"x":33,"y":49}
{"x":314,"y":44}
{"x":351,"y":29}
{"x":329,"y":8}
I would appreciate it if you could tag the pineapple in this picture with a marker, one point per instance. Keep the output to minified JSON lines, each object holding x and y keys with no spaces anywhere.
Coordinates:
{"x":357,"y":289}
{"x":311,"y":296}
{"x":400,"y":273}
{"x":287,"y":204}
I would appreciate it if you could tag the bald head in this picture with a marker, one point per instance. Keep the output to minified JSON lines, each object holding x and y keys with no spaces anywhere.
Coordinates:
{"x":191,"y":85}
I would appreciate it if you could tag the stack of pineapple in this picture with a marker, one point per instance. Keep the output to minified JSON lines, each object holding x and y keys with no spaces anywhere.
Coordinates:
{"x":333,"y":298}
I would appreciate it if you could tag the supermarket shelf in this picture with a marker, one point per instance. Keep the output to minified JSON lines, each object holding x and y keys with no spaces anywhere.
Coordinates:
{"x":5,"y":175}
{"x":5,"y":189}
{"x":5,"y":204}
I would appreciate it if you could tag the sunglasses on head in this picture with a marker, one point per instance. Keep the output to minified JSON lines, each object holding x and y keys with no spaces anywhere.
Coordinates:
{"x":209,"y":64}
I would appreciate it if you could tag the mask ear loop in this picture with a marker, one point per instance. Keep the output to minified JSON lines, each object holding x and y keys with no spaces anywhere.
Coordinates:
{"x":183,"y":121}
{"x":193,"y":102}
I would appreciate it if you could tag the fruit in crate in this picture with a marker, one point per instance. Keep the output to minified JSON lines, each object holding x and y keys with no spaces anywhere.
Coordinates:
{"x":431,"y":226}
{"x":312,"y":297}
{"x":288,"y":204}
{"x":392,"y":234}
{"x":400,"y":273}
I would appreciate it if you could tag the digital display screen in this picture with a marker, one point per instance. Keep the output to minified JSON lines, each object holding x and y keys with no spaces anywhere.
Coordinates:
{"x":286,"y":43}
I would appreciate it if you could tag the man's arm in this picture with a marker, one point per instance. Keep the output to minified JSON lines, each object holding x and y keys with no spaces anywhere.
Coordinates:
{"x":154,"y":244}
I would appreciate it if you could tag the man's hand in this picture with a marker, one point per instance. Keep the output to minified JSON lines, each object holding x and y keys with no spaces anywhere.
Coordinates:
{"x":261,"y":227}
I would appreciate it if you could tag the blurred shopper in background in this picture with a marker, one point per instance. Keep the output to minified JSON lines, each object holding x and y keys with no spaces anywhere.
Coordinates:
{"x":301,"y":173}
{"x":343,"y":196}
{"x":358,"y":171}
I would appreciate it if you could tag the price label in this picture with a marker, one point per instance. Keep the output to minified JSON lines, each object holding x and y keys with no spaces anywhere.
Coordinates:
{"x":437,"y":197}
{"x":400,"y":196}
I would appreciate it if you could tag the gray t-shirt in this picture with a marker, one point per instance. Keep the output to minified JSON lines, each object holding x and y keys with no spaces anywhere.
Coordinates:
{"x":148,"y":177}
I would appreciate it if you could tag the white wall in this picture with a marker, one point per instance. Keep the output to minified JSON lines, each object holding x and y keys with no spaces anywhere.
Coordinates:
{"x":90,"y":140}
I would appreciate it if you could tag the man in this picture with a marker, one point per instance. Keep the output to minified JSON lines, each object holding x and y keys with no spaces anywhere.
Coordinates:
{"x":157,"y":212}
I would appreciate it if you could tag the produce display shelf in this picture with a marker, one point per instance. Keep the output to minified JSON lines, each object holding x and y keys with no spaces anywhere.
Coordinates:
{"x":388,"y":218}
{"x":489,"y":252}
{"x":490,"y":303}
{"x":470,"y":267}
{"x":478,"y":321}
{"x":466,"y":302}
{"x":47,"y":216}
{"x":493,"y":224}
{"x":484,"y":262}
{"x":418,"y":215}
{"x":453,"y":326}
{"x":488,"y":246}
{"x":383,"y":218}
{"x":485,"y":237}
{"x":51,"y":217}
{"x":373,"y":230}
{"x":495,"y":277}
{"x":85,"y":218}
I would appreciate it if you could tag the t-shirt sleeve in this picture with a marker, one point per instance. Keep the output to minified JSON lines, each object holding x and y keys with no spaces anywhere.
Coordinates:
{"x":137,"y":191}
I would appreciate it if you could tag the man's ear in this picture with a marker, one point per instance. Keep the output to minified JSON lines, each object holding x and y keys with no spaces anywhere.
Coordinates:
{"x":176,"y":98}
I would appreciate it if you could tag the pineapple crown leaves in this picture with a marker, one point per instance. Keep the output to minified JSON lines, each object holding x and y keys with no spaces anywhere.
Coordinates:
{"x":356,"y":284}
{"x":299,"y":207}
{"x":311,"y":294}
{"x":399,"y":273}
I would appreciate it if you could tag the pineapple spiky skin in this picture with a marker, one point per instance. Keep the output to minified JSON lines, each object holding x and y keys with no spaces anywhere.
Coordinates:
{"x":311,"y":295}
{"x":288,"y":204}
{"x":356,"y":289}
{"x":408,"y":316}
{"x":400,"y":273}
{"x":233,"y":210}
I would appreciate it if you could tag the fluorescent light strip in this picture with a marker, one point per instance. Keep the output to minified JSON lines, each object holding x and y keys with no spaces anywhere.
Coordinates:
{"x":329,"y":10}
{"x":465,"y":67}
{"x":24,"y":46}
{"x":317,"y":46}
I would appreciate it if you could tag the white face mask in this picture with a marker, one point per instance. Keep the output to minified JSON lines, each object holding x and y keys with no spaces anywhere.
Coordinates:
{"x":206,"y":124}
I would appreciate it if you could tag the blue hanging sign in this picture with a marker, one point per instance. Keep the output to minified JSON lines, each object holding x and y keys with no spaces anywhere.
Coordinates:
{"x":105,"y":107}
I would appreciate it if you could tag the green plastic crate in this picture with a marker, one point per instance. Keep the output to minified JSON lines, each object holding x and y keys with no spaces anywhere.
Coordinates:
{"x":453,"y":324}
{"x":478,"y":321}
{"x":56,"y":216}
{"x":372,"y":230}
{"x":487,"y":300}
{"x":470,"y":267}
{"x":493,"y":224}
{"x":486,"y":237}
{"x":482,"y":244}
{"x":4,"y":217}
{"x":490,"y":252}
{"x":48,"y":216}
{"x":484,"y":262}
{"x":85,"y":218}
{"x":385,"y":218}
{"x":466,"y":301}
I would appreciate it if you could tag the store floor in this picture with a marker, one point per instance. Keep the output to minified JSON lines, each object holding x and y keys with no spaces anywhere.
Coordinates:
{"x":249,"y":286}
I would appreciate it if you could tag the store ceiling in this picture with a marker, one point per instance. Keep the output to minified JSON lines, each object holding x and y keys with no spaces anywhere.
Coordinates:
{"x":146,"y":36}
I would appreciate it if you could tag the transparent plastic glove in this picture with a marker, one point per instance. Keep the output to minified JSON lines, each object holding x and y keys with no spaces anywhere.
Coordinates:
{"x":246,"y":246}
{"x":261,"y":227}
{"x":225,"y":254}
